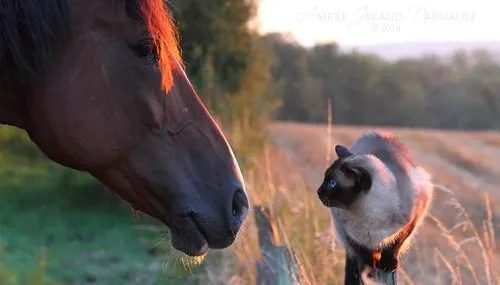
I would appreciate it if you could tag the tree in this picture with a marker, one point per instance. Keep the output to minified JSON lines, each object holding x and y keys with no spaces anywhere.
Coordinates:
{"x":291,"y":70}
{"x":218,"y":30}
{"x":229,"y":65}
{"x":461,"y":91}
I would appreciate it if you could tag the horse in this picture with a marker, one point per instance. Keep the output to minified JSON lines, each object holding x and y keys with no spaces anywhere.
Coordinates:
{"x":378,"y":197}
{"x":100,"y":87}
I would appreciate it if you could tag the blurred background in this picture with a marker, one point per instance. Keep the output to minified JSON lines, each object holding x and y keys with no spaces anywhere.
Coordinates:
{"x":287,"y":80}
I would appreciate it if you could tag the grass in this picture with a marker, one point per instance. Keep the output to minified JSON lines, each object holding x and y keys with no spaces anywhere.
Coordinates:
{"x":482,"y":239}
{"x":302,"y":223}
{"x":83,"y":243}
{"x":59,"y":226}
{"x":492,"y":140}
{"x":464,"y":159}
{"x":456,"y":245}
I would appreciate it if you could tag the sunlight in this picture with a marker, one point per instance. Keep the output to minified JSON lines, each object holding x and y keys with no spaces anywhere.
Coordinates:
{"x":361,"y":22}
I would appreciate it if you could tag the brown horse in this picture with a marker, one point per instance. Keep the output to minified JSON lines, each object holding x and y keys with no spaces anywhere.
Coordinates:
{"x":99,"y":87}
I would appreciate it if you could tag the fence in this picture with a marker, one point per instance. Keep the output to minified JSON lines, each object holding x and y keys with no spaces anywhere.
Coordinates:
{"x":277,"y":265}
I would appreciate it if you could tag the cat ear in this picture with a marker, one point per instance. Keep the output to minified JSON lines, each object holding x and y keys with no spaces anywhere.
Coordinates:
{"x":342,"y":151}
{"x":364,"y":180}
{"x":361,"y":178}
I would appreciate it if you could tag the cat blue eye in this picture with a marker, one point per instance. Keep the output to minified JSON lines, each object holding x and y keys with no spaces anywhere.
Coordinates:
{"x":331,"y":184}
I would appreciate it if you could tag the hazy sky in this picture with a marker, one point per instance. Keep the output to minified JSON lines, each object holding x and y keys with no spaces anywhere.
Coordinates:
{"x":355,"y":22}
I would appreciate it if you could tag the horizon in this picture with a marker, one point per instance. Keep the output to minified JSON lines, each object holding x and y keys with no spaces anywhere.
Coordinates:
{"x":357,"y":23}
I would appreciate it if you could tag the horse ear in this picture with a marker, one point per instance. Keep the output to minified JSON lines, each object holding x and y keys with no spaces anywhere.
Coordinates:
{"x":342,"y":151}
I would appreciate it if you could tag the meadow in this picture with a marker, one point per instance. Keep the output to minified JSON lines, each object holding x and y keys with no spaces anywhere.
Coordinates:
{"x":59,"y":226}
{"x":456,"y":245}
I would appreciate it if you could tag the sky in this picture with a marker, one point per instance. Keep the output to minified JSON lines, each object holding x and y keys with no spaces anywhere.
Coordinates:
{"x":369,"y":22}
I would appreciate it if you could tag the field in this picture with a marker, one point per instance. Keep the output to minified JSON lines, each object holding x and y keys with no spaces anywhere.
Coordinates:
{"x":59,"y":226}
{"x":87,"y":236}
{"x":457,"y":243}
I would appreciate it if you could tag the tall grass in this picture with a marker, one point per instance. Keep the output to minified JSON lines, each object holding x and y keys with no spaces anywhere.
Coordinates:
{"x":302,"y":223}
{"x":476,"y":236}
{"x":305,"y":226}
{"x":465,"y":251}
{"x":458,"y":252}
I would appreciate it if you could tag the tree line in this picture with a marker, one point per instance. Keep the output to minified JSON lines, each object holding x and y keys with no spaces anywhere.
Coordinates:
{"x":246,"y":78}
{"x":458,"y":92}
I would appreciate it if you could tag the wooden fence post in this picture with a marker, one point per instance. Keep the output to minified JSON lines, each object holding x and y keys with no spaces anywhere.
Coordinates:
{"x":277,"y":266}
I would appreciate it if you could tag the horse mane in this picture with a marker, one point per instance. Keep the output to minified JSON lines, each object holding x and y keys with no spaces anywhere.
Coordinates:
{"x":164,"y":34}
{"x":31,"y":31}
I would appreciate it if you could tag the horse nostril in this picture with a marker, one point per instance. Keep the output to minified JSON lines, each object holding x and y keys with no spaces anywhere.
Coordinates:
{"x":239,"y":209}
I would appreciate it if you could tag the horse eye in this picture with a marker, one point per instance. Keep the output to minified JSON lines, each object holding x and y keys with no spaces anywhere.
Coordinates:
{"x":145,"y":48}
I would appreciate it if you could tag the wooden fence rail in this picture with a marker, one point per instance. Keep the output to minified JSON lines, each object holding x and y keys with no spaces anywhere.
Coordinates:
{"x":277,"y":265}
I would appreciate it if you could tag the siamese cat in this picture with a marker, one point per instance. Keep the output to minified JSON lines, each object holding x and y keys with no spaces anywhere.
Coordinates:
{"x":378,"y":197}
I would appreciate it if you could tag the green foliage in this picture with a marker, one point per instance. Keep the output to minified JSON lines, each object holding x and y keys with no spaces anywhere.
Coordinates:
{"x":290,"y":70}
{"x":216,"y":30}
{"x":230,"y":66}
{"x":457,"y":92}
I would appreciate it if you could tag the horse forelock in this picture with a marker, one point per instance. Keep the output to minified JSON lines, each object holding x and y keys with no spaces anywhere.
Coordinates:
{"x":164,"y":34}
{"x":30,"y":31}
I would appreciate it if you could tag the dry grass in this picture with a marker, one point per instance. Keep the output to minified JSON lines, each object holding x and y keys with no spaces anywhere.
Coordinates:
{"x":456,"y":245}
{"x":301,"y":222}
{"x":462,"y":158}
{"x":492,"y":139}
